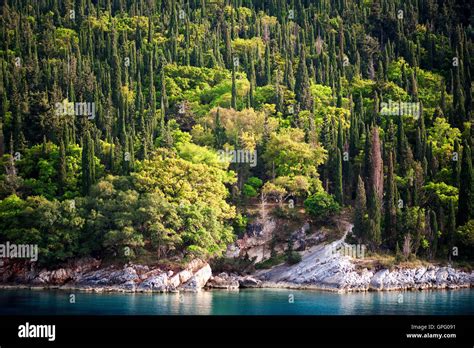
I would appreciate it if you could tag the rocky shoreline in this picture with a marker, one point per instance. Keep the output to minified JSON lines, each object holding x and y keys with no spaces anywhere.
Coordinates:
{"x":432,"y":278}
{"x":320,"y":268}
{"x":89,"y":275}
{"x":323,"y":269}
{"x":333,"y":274}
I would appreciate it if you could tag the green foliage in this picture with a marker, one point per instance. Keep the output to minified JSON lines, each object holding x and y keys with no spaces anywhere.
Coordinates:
{"x":305,"y":95}
{"x":249,"y":191}
{"x":54,"y":226}
{"x":465,"y":235}
{"x":255,"y":182}
{"x":39,"y":170}
{"x":321,"y":205}
{"x":289,"y":154}
{"x":293,"y":258}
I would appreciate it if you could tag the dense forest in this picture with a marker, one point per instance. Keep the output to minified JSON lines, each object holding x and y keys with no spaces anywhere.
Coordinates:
{"x":149,"y":127}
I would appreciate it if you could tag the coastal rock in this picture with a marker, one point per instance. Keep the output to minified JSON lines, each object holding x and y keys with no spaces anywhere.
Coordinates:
{"x":321,"y":268}
{"x":155,"y":283}
{"x":60,"y":276}
{"x":44,"y":277}
{"x":198,"y":280}
{"x":84,"y":265}
{"x":223,"y":281}
{"x":108,"y":276}
{"x":442,"y":277}
{"x":249,"y":282}
{"x":195,"y":265}
{"x":174,"y":281}
{"x":184,"y":276}
{"x":129,"y":286}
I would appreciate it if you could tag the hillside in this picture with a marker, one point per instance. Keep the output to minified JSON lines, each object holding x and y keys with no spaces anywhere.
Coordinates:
{"x":159,"y":132}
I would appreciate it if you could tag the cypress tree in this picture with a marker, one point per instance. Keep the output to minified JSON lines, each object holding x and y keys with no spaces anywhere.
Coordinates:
{"x":450,"y":228}
{"x":466,"y":187}
{"x":390,"y":204}
{"x":338,"y":179}
{"x":62,"y":166}
{"x":219,"y":132}
{"x":234,"y":90}
{"x":456,"y":165}
{"x":360,"y":221}
{"x":289,"y":78}
{"x":88,"y":164}
{"x":268,"y":68}
{"x":434,"y":232}
{"x":2,"y":139}
{"x":302,"y":86}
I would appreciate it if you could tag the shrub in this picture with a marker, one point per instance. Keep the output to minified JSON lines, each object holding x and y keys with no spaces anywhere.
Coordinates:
{"x":321,"y":205}
{"x":255,"y":182}
{"x":249,"y":191}
{"x":293,"y":258}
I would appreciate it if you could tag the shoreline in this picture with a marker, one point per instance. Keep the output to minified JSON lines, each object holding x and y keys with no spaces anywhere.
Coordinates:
{"x":264,"y":285}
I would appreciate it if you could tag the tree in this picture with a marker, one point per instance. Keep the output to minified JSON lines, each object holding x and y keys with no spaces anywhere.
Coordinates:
{"x":234,"y":90}
{"x":88,"y":163}
{"x":374,"y":182}
{"x":450,"y":228}
{"x":268,"y":68}
{"x":373,"y":164}
{"x":360,"y":217}
{"x":321,"y":206}
{"x":287,"y":154}
{"x":219,"y":132}
{"x":62,"y":174}
{"x":390,"y":204}
{"x":434,"y":233}
{"x":338,"y":189}
{"x":466,"y":187}
{"x":302,"y":86}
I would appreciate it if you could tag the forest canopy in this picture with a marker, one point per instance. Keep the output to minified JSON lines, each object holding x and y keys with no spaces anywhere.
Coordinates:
{"x":114,"y":115}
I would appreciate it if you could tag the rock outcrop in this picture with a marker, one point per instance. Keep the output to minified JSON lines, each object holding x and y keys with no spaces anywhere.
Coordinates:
{"x":323,"y":268}
{"x":320,"y":268}
{"x":87,"y":274}
{"x":224,"y":281}
{"x":258,"y":241}
{"x":198,"y":280}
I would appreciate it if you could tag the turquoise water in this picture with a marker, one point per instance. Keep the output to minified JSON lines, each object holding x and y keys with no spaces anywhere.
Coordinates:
{"x":244,"y":302}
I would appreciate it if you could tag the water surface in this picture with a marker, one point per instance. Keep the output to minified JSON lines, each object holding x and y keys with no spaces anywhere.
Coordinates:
{"x":243,"y":302}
